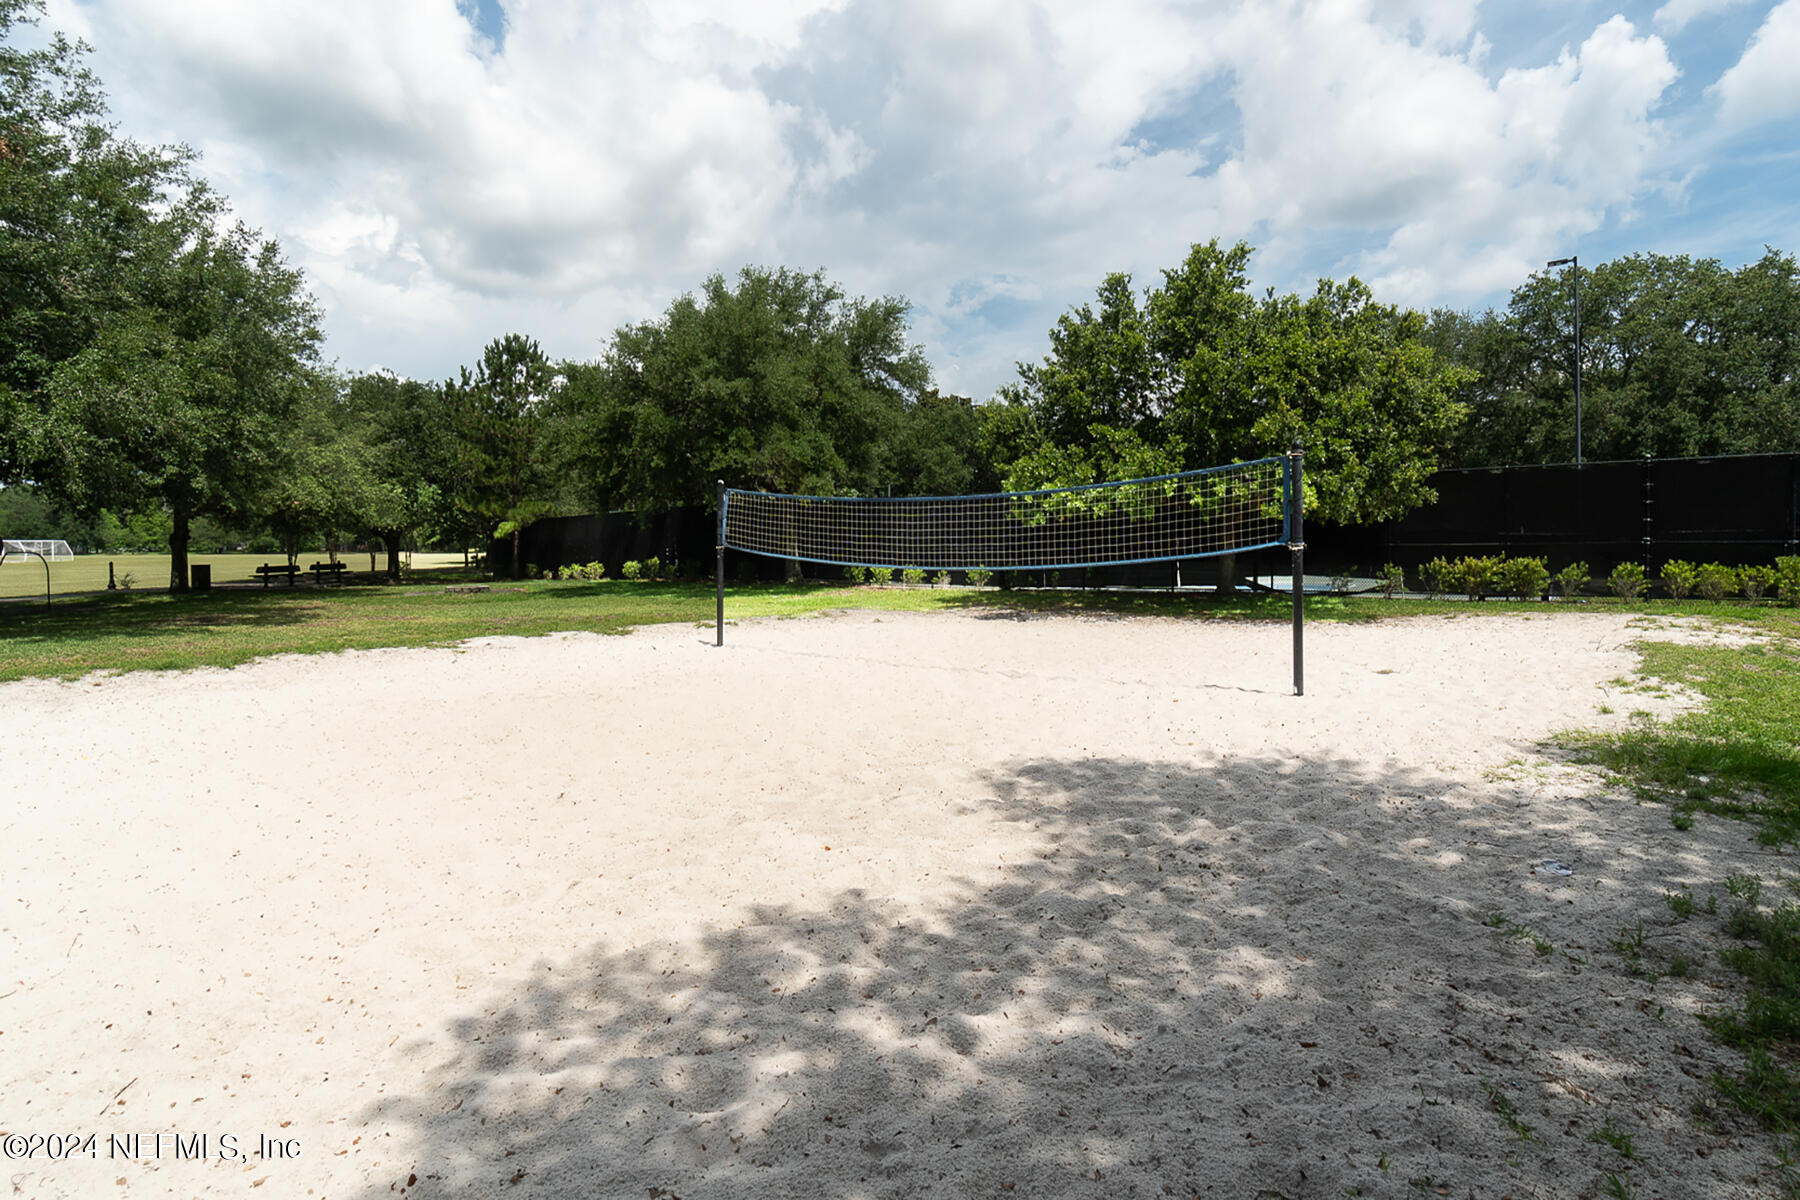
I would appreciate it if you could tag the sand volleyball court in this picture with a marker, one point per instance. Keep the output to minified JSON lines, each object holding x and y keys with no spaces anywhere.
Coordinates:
{"x":872,"y":905}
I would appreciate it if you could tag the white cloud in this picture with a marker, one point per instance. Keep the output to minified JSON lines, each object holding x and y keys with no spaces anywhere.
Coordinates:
{"x":1677,"y":15}
{"x":982,"y":157}
{"x":1764,"y":84}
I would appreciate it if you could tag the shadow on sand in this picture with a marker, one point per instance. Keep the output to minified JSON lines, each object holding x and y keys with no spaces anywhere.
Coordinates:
{"x":1259,"y":979}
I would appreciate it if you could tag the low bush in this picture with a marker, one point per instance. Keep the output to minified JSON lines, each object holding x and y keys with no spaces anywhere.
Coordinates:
{"x":1679,"y":577}
{"x":912,"y":576}
{"x":1787,"y":579}
{"x":1524,"y":578}
{"x":1392,"y":581}
{"x":1715,"y":581}
{"x":632,"y":569}
{"x":979,"y":577}
{"x":941,"y":579}
{"x":1572,"y":579}
{"x":1628,"y":581}
{"x":653,"y":568}
{"x":1436,"y":576}
{"x":881,"y":575}
{"x":1756,"y":581}
{"x":1475,"y":576}
{"x":856,"y":575}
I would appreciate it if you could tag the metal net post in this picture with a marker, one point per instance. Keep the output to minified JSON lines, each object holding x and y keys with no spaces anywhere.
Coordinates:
{"x":1297,"y":547}
{"x":719,"y":635}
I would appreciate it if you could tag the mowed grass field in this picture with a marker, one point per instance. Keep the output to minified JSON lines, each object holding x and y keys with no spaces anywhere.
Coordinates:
{"x":125,"y":631}
{"x":23,"y":575}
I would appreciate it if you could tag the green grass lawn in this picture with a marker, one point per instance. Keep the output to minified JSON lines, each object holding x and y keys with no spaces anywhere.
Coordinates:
{"x":22,"y":575}
{"x":157,"y":630}
{"x":1736,"y":755}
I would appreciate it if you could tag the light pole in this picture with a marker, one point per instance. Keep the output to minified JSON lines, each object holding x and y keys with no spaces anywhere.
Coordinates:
{"x":1574,"y":262}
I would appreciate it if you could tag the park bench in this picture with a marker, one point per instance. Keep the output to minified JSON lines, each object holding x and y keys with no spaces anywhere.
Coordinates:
{"x":333,"y":569}
{"x":268,"y":571}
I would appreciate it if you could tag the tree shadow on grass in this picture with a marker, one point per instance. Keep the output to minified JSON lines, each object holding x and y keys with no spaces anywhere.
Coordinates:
{"x":1266,"y":977}
{"x":152,"y":615}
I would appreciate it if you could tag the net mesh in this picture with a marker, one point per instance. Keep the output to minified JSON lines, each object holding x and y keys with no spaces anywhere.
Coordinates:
{"x":55,"y":551}
{"x":1216,"y":511}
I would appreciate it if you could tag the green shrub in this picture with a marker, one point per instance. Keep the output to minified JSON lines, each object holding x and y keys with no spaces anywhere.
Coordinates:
{"x":1715,"y":581}
{"x":1628,"y":581}
{"x":857,"y":575}
{"x":1787,"y":579}
{"x":1474,"y":575}
{"x":1437,"y":575}
{"x":1392,"y":581}
{"x":1526,"y":578}
{"x":653,"y":567}
{"x":1679,"y":577}
{"x":912,"y":576}
{"x":633,"y":569}
{"x":881,"y":575}
{"x":978,"y":577}
{"x":1757,"y":581}
{"x":941,"y":579}
{"x":1572,"y":579}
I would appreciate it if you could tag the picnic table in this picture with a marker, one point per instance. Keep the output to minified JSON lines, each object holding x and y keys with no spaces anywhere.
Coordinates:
{"x":333,"y":569}
{"x":269,"y":571}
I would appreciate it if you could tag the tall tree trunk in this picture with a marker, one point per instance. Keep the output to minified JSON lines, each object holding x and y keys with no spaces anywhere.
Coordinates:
{"x":178,"y":550}
{"x":392,"y":540}
{"x":518,"y":568}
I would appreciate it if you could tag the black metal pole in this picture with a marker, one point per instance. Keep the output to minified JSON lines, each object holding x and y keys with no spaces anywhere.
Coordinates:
{"x":1575,"y":270}
{"x":1297,"y":545}
{"x":719,"y":638}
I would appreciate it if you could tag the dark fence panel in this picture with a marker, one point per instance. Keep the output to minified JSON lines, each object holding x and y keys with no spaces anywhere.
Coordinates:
{"x":1737,"y":510}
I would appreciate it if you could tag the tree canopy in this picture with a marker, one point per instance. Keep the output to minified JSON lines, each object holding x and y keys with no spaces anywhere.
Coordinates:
{"x":1679,"y":356}
{"x":778,"y":382}
{"x":1201,"y":373}
{"x":150,"y":354}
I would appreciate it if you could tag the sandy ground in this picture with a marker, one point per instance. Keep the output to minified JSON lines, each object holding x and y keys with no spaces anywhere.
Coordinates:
{"x":876,"y":905}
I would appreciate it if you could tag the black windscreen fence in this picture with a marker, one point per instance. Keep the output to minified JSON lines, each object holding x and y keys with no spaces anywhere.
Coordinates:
{"x":1736,"y":510}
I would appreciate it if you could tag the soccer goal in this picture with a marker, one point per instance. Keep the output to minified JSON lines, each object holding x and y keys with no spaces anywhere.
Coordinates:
{"x":1196,"y":514}
{"x":45,"y":550}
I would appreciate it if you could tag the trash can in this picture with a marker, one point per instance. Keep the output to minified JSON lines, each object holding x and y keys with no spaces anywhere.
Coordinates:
{"x":200,"y":577}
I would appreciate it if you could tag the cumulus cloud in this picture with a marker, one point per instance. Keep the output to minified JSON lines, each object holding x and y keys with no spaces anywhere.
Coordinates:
{"x":989,"y":159}
{"x":1763,"y":85}
{"x":1676,"y":15}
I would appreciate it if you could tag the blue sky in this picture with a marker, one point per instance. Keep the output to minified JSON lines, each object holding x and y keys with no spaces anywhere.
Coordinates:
{"x":446,"y":171}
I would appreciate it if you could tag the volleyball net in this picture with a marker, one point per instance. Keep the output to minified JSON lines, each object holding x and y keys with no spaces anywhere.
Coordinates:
{"x":1196,"y":514}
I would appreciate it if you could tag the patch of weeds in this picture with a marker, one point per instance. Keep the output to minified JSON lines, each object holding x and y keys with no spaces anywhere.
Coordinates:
{"x":1542,"y":946}
{"x":1503,"y":1108}
{"x":1629,"y":946}
{"x":1680,"y":965}
{"x":1681,"y":903}
{"x":1618,"y":1187}
{"x":1745,"y":888}
{"x":1609,"y":1134}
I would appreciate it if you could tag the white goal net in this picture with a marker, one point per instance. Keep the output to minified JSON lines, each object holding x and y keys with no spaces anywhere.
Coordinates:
{"x":29,"y":549}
